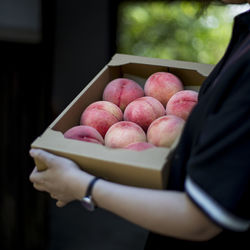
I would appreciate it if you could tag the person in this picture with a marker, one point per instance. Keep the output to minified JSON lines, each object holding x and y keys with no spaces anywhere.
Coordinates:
{"x":207,"y":201}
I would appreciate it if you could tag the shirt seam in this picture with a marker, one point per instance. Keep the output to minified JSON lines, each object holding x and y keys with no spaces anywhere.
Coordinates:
{"x":214,"y":210}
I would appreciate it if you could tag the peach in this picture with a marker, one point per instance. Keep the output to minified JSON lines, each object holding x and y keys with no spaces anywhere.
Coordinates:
{"x":162,"y":85}
{"x":101,"y":115}
{"x":143,"y":111}
{"x":84,"y":133}
{"x":124,"y":133}
{"x":163,"y":131}
{"x":182,"y":103}
{"x":139,"y":146}
{"x":122,"y":91}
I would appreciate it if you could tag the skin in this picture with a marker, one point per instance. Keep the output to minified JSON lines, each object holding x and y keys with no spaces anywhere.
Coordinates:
{"x":169,"y":213}
{"x":165,"y":212}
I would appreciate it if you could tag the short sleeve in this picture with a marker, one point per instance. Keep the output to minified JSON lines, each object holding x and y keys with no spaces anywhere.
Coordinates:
{"x":218,"y":170}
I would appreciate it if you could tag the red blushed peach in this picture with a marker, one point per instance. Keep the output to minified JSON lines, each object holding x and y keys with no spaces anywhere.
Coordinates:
{"x":101,"y":115}
{"x":163,"y":131}
{"x":182,"y":103}
{"x":122,"y":91}
{"x":162,"y":85}
{"x":139,"y":146}
{"x":143,"y":111}
{"x":84,"y":133}
{"x":124,"y":133}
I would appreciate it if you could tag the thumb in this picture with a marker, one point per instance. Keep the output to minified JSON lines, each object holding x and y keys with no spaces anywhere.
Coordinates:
{"x":45,"y":157}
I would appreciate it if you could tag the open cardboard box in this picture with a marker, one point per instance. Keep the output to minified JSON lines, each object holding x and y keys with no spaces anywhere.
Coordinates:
{"x":145,"y":168}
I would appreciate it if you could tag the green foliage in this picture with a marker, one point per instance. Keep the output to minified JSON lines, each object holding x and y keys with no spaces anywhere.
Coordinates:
{"x":174,"y":31}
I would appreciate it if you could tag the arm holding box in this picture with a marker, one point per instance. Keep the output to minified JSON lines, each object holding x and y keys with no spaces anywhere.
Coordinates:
{"x":166,"y":212}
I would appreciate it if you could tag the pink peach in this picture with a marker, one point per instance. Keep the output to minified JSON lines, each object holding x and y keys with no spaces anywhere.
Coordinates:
{"x":124,"y":133}
{"x":182,"y":103}
{"x":162,"y":85}
{"x":163,"y":131}
{"x":101,"y":115}
{"x":84,"y":133}
{"x":122,"y":91}
{"x":139,"y":146}
{"x":143,"y":111}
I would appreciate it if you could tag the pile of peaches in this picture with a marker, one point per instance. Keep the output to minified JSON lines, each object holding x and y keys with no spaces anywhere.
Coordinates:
{"x":133,"y":117}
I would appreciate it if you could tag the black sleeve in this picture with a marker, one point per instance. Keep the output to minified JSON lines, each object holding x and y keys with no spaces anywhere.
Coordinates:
{"x":218,"y":171}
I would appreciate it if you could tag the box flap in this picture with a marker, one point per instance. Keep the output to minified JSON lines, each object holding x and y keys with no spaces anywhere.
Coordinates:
{"x":122,"y":59}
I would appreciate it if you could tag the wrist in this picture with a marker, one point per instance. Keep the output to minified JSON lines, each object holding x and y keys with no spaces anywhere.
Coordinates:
{"x":87,"y":200}
{"x":82,"y":183}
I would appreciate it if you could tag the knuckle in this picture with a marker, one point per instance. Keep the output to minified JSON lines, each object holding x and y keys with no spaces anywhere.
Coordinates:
{"x":38,"y":187}
{"x":39,"y":153}
{"x":50,"y":159}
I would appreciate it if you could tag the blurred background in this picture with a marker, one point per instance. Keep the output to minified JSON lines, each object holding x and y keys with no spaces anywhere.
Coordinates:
{"x":49,"y":50}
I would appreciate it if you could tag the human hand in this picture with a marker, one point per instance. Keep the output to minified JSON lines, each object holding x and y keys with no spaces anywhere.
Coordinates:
{"x":63,"y":179}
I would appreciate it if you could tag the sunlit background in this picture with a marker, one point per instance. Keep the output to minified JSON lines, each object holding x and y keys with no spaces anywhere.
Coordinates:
{"x":175,"y":30}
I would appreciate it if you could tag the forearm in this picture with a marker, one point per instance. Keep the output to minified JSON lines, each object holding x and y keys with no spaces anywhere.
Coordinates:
{"x":165,"y":212}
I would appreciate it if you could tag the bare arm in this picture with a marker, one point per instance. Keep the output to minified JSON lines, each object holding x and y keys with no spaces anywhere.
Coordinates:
{"x":165,"y":212}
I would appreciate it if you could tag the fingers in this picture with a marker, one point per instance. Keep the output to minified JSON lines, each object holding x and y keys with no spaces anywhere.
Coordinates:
{"x":33,"y":175}
{"x":36,"y":176}
{"x":47,"y":158}
{"x":60,"y":203}
{"x":39,"y":187}
{"x":37,"y":180}
{"x":53,"y":196}
{"x":50,"y":180}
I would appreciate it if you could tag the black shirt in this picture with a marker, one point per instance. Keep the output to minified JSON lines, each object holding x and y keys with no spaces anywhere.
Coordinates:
{"x":212,"y":160}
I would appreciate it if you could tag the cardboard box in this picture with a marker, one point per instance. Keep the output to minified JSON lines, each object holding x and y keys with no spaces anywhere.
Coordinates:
{"x":143,"y":169}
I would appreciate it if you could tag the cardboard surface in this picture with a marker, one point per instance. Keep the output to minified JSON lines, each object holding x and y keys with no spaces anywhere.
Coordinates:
{"x":145,"y":168}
